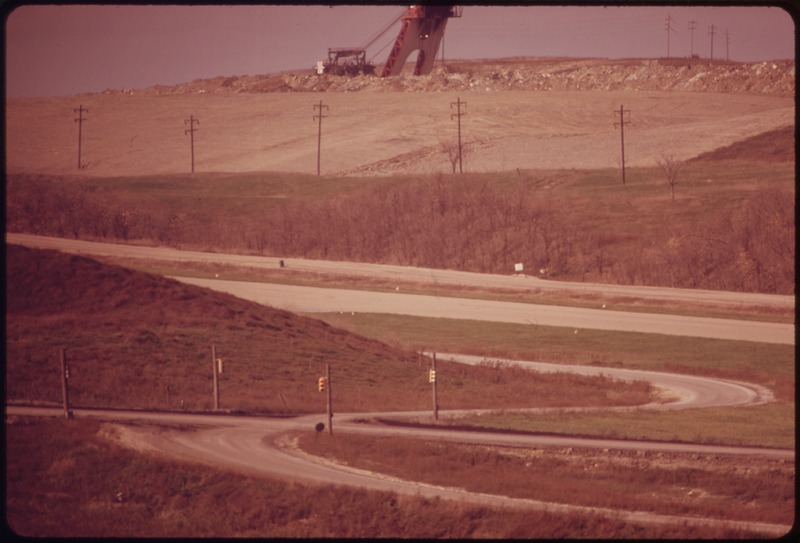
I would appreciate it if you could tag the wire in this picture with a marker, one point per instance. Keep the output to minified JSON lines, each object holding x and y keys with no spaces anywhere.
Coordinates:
{"x":384,"y":30}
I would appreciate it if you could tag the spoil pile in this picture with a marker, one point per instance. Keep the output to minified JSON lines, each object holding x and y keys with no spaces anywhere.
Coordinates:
{"x":523,"y":74}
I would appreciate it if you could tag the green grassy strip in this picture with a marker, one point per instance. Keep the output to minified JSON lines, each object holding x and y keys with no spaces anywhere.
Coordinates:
{"x":770,"y":425}
{"x":731,"y":359}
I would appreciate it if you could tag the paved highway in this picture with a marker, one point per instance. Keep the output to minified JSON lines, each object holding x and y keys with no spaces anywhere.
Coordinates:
{"x":302,"y":299}
{"x":405,"y":273}
{"x":311,"y":299}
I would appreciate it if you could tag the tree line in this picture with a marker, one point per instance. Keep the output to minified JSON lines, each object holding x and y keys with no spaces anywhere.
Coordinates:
{"x":465,"y":223}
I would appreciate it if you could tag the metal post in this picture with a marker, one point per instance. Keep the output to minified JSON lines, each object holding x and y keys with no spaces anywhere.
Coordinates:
{"x":435,"y":399}
{"x":330,"y":402}
{"x":65,"y":384}
{"x":214,"y":371}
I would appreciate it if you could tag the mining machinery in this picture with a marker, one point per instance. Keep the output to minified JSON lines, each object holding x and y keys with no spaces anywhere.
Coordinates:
{"x":422,"y":30}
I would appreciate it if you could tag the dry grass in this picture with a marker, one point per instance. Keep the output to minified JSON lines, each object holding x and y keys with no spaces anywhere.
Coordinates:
{"x":64,"y":480}
{"x":723,"y":487}
{"x":139,"y":341}
{"x":730,"y":227}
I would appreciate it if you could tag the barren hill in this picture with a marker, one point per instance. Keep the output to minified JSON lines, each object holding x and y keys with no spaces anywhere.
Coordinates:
{"x":518,"y":114}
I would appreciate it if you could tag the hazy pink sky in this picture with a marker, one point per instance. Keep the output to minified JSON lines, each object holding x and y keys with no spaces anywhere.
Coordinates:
{"x":68,"y":49}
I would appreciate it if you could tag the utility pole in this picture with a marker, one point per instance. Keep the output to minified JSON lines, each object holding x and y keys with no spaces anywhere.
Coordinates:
{"x":432,"y":381}
{"x":692,"y":26}
{"x":65,"y":384}
{"x":711,"y":31}
{"x":80,"y":111}
{"x":191,"y":130}
{"x":727,"y":45}
{"x":458,"y":105}
{"x":330,"y":398}
{"x":215,"y":363}
{"x":669,"y":29}
{"x":621,"y":125}
{"x":319,"y":116}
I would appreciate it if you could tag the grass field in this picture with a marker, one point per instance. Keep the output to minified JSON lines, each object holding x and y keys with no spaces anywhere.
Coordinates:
{"x":738,"y":360}
{"x":717,"y":486}
{"x":139,"y":341}
{"x":154,"y":336}
{"x":64,"y":479}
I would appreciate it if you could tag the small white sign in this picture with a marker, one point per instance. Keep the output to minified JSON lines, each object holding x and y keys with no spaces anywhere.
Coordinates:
{"x":518,"y":268}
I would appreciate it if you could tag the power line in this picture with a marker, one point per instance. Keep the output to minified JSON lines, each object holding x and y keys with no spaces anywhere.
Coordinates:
{"x":621,"y":125}
{"x":80,"y":111}
{"x":191,"y":121}
{"x":692,"y":26}
{"x":727,"y":45}
{"x":711,"y":31}
{"x":319,"y":116}
{"x":458,"y":103}
{"x":669,"y":29}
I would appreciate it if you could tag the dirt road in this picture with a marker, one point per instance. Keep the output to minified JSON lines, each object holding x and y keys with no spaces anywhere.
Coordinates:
{"x":260,"y":446}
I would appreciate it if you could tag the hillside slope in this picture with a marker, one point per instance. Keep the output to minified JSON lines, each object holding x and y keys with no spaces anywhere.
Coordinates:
{"x":518,"y":114}
{"x":143,"y":341}
{"x":136,"y":340}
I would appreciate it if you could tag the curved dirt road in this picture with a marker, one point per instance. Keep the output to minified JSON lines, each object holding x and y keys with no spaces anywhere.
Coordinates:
{"x":261,"y":445}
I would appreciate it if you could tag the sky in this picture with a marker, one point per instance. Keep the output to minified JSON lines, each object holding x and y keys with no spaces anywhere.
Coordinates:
{"x":63,"y":50}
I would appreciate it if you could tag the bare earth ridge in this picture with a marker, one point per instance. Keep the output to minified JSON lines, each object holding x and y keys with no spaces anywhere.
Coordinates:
{"x":519,"y":114}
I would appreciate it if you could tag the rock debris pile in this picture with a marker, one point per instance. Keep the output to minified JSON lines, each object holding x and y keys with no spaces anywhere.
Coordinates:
{"x":524,"y":74}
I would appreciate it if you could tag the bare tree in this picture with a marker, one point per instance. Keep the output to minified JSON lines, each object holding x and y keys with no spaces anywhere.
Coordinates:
{"x":672,"y":169}
{"x":450,"y":149}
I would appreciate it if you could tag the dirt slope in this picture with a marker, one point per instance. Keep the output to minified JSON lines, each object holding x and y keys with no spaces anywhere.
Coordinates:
{"x":772,"y":146}
{"x":518,"y":114}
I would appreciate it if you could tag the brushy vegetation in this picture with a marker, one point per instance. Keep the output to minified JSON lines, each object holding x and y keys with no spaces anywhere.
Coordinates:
{"x":64,"y":480}
{"x":135,"y":340}
{"x":730,"y":226}
{"x":718,"y":486}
